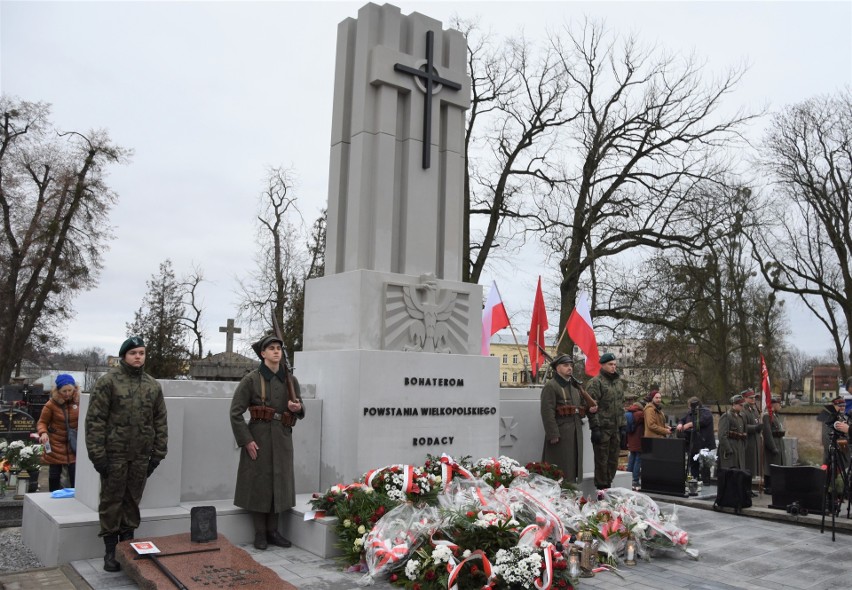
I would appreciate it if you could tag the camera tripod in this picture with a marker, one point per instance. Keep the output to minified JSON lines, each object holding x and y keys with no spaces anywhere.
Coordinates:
{"x":838,"y":468}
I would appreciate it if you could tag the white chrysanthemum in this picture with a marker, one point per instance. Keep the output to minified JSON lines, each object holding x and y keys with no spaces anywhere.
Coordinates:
{"x":347,"y":523}
{"x":466,"y":553}
{"x":442,"y":554}
{"x":412,"y":569}
{"x":17,"y":444}
{"x":335,"y":490}
{"x":361,"y":530}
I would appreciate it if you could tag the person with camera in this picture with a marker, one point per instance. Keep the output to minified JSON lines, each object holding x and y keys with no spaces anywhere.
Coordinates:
{"x":697,"y":426}
{"x":751,"y":417}
{"x":732,"y":436}
{"x":773,"y":442}
{"x":832,"y":415}
{"x":57,"y":431}
{"x":563,"y":408}
{"x":266,"y":484}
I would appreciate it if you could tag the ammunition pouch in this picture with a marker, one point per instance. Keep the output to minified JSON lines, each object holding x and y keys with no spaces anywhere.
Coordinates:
{"x":563,"y":411}
{"x":778,"y":433}
{"x":261,"y":413}
{"x":738,"y":435}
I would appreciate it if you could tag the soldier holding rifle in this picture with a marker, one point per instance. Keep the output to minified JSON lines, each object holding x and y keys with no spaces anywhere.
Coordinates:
{"x":265,"y":481}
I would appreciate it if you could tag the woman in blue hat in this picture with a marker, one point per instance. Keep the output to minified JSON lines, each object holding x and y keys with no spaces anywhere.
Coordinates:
{"x":57,"y":429}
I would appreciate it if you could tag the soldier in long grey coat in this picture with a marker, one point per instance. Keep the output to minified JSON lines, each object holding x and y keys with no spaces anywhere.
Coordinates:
{"x":265,"y":481}
{"x":751,"y":417}
{"x":773,"y":442}
{"x":732,"y":436}
{"x":562,"y":412}
{"x":127,"y":436}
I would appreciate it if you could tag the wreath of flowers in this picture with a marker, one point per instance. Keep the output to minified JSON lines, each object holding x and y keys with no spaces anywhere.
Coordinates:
{"x":464,"y":530}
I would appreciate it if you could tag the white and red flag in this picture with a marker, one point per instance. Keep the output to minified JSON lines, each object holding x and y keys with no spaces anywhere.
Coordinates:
{"x":538,"y":327}
{"x":581,"y":331}
{"x":494,"y":317}
{"x":764,"y":385}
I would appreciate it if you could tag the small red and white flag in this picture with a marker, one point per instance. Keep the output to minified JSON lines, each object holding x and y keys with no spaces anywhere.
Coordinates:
{"x":494,"y":317}
{"x":581,"y":331}
{"x":764,"y":385}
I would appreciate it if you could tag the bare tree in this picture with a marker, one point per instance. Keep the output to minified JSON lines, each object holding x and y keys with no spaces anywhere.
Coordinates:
{"x":193,"y":309}
{"x":517,"y":102}
{"x":648,"y":134}
{"x":54,"y":204}
{"x":279,"y":260}
{"x":808,"y":153}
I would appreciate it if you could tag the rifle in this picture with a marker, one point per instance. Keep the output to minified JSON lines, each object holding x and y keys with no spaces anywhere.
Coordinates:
{"x":288,"y":370}
{"x":590,"y":401}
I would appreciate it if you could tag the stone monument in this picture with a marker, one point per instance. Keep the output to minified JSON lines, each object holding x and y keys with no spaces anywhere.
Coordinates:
{"x":392,"y":335}
{"x":224,"y":366}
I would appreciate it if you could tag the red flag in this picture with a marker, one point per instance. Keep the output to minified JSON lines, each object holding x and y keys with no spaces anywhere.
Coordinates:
{"x":494,"y":317}
{"x":537,"y":328}
{"x":764,"y":385}
{"x":581,"y":331}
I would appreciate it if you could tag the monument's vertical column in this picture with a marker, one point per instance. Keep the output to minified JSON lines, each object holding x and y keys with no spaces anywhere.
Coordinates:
{"x":392,"y":336}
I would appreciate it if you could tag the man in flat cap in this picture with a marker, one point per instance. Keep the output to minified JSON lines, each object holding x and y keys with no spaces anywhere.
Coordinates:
{"x":773,"y":442}
{"x":265,"y":481}
{"x":751,"y":417}
{"x":607,"y":389}
{"x":127,"y":436}
{"x":563,"y":408}
{"x":732,"y":436}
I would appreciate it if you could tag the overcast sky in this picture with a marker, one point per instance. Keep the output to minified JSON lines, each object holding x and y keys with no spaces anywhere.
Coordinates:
{"x":209,"y":94}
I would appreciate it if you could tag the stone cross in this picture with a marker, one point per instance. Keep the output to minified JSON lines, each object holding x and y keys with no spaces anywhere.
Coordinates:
{"x":387,"y":211}
{"x":229,"y":330}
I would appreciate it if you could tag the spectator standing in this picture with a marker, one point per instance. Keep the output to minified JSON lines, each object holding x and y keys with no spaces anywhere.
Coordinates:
{"x":635,"y":418}
{"x":56,"y":427}
{"x":697,"y":426}
{"x":655,"y":418}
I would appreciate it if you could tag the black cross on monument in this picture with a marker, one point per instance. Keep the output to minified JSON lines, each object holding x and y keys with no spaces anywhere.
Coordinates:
{"x":230,"y":330}
{"x":430,"y":77}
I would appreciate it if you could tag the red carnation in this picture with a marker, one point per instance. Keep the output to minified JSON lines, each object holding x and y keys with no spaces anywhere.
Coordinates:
{"x":430,"y":575}
{"x":394,"y":578}
{"x":416,"y":586}
{"x":470,"y":514}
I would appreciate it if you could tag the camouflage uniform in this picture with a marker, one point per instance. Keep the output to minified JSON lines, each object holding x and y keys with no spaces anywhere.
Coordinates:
{"x":126,"y":427}
{"x":608,"y":391}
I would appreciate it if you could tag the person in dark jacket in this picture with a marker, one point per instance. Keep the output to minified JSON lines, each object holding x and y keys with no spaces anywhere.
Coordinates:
{"x":127,"y":437}
{"x":57,"y":424}
{"x":635,"y":430}
{"x":773,"y":443}
{"x":265,"y":481}
{"x":697,"y":426}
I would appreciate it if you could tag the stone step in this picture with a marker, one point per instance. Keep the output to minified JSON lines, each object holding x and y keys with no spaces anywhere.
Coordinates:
{"x":316,"y":535}
{"x":11,"y":511}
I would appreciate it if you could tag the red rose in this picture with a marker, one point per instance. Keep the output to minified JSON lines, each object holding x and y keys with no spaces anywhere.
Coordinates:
{"x":560,"y":565}
{"x":380,"y":510}
{"x":394,"y":578}
{"x":356,"y":519}
{"x":416,"y":586}
{"x":470,"y":514}
{"x":430,"y":575}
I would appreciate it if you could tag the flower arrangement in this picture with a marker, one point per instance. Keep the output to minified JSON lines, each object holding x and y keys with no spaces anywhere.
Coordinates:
{"x":3,"y":446}
{"x":493,"y":525}
{"x":498,"y":472}
{"x":706,"y":458}
{"x":551,"y":471}
{"x":20,"y":455}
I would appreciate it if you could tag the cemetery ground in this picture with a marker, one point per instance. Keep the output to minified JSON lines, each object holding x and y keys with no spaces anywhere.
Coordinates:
{"x":762,"y":548}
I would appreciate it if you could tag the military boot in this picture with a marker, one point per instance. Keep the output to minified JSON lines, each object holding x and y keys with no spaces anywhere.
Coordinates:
{"x":110,"y":563}
{"x":125,"y":535}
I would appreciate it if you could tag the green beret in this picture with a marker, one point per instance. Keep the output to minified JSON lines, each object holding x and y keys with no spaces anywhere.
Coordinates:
{"x":606,"y":357}
{"x":130,"y":344}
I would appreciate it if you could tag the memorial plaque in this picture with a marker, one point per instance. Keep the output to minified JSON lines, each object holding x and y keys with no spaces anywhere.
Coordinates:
{"x":202,"y":524}
{"x":218,"y":564}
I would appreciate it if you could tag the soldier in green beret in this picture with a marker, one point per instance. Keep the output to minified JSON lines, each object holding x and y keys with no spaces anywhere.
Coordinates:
{"x":732,"y":436}
{"x":127,"y":436}
{"x":607,"y":389}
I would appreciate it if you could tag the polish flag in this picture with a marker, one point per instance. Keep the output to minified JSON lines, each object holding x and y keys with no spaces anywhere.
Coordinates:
{"x":764,"y":385}
{"x":582,"y":332}
{"x":494,"y":317}
{"x":538,"y":327}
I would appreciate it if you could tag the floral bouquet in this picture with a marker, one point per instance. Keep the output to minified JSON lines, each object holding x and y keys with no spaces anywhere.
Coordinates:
{"x":29,"y":458}
{"x":498,"y":472}
{"x":706,"y":459}
{"x":357,"y":511}
{"x":403,"y":482}
{"x":396,"y":536}
{"x":3,"y":447}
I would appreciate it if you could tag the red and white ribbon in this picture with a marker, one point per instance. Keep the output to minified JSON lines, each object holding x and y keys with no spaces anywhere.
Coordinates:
{"x":455,"y":568}
{"x":545,"y":581}
{"x":449,"y":467}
